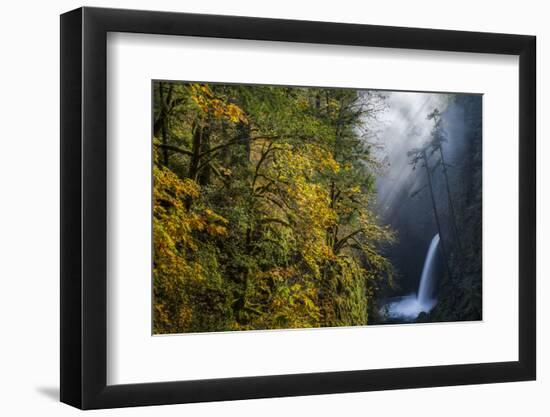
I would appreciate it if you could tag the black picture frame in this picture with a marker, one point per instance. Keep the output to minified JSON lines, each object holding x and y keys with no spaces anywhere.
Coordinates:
{"x":84,"y":207}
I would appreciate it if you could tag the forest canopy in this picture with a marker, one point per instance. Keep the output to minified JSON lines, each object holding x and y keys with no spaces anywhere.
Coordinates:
{"x":263,"y":207}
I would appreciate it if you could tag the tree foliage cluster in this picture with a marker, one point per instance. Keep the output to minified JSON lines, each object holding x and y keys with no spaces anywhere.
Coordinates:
{"x":262,"y":207}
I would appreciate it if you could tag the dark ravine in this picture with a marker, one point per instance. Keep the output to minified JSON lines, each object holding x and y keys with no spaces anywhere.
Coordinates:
{"x":455,"y":171}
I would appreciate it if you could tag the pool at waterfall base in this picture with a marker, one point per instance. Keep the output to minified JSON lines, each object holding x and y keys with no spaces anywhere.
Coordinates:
{"x":408,"y":308}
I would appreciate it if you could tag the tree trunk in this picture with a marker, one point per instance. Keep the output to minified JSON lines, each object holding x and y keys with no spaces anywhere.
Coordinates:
{"x":451,"y":205}
{"x":198,"y":132}
{"x":164,"y":130}
{"x":242,"y":157}
{"x":436,"y":215}
{"x":205,"y":170}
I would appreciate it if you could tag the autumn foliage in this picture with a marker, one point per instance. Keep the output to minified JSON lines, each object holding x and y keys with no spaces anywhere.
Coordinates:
{"x":263,"y":208}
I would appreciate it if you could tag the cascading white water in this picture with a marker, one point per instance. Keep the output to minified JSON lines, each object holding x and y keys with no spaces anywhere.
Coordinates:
{"x":425,"y":289}
{"x":409,"y":307}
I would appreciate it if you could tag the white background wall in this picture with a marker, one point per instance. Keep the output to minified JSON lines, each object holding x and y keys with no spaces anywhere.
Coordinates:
{"x":29,"y":225}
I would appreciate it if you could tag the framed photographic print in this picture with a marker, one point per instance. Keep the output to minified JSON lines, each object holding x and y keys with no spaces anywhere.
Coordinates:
{"x":256,"y":208}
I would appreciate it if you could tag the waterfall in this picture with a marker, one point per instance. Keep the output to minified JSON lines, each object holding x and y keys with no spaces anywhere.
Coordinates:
{"x":410,"y":306}
{"x":425,"y":289}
